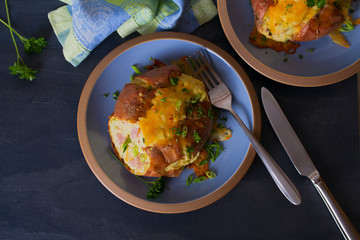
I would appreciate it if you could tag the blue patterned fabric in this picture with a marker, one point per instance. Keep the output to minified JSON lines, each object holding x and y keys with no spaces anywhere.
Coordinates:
{"x":83,"y":24}
{"x":94,"y":20}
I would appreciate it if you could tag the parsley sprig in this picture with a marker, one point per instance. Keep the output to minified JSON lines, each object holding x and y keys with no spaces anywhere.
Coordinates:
{"x":31,"y":45}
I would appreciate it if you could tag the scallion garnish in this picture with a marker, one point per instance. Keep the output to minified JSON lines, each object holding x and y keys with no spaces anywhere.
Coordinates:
{"x":136,"y":69}
{"x":189,"y":180}
{"x":174,"y":81}
{"x":199,"y":179}
{"x":126,"y":143}
{"x":196,"y":137}
{"x":195,"y":98}
{"x":210,"y":174}
{"x":184,"y":131}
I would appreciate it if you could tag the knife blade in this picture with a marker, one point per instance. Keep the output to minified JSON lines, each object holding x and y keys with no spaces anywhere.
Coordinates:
{"x":302,"y":162}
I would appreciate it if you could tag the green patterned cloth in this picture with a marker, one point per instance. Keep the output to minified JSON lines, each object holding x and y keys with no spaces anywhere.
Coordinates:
{"x":81,"y":25}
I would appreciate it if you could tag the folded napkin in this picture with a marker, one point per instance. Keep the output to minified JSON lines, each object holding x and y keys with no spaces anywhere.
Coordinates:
{"x":83,"y":24}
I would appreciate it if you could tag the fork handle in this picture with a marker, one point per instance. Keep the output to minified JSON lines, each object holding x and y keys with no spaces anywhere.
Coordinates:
{"x":281,"y":179}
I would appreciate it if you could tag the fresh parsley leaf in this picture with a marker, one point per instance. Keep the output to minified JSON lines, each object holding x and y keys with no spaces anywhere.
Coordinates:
{"x":34,"y":45}
{"x":22,"y":71}
{"x":31,"y":45}
{"x":155,"y":188}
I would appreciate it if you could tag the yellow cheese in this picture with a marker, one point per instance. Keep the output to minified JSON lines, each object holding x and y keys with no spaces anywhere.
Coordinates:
{"x":168,"y":110}
{"x":285,"y":19}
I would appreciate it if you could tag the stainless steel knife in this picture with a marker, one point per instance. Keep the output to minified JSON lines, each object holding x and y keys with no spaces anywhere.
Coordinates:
{"x":303,"y":163}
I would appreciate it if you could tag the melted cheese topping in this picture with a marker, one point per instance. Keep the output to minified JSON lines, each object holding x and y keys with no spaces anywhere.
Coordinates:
{"x":168,"y":110}
{"x":285,"y":19}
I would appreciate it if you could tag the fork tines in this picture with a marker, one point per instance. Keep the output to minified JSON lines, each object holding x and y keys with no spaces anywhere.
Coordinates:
{"x":203,"y":69}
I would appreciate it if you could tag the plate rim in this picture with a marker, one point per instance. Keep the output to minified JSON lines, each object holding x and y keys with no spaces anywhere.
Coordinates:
{"x":273,"y":74}
{"x":112,"y":186}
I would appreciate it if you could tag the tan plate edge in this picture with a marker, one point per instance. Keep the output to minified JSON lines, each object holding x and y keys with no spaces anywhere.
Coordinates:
{"x":273,"y":74}
{"x":115,"y":189}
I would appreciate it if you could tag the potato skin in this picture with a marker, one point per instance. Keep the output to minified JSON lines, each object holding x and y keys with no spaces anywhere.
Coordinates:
{"x":260,"y":7}
{"x":133,"y":102}
{"x":326,"y":21}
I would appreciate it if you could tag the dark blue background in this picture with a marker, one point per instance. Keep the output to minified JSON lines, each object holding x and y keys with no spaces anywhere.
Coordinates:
{"x":47,"y":191}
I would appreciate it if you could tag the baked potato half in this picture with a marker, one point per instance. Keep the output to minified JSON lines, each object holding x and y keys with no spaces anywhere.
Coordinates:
{"x":297,"y":20}
{"x":161,"y":122}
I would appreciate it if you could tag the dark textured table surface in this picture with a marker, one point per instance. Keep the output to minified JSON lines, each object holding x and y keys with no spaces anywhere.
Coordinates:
{"x":47,"y":190}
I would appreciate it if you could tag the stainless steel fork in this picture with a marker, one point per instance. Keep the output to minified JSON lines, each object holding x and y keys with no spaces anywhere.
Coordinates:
{"x":221,"y":97}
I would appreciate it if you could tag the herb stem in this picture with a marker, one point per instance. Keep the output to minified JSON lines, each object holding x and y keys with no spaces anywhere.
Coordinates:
{"x":13,"y":30}
{"x":11,"y":33}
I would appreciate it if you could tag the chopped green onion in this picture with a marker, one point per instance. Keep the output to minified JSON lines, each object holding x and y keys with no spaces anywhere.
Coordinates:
{"x":106,"y":94}
{"x":136,"y":69}
{"x":142,"y":157}
{"x":163,"y":99}
{"x":184,"y":131}
{"x":199,"y":179}
{"x":195,"y":98}
{"x":185,"y":90}
{"x":203,"y":162}
{"x":213,"y":154}
{"x":210,"y":174}
{"x":178,"y":105}
{"x":196,"y":137}
{"x":131,"y":78}
{"x":126,"y":143}
{"x":135,"y":151}
{"x":189,"y":180}
{"x":347,"y":27}
{"x":174,"y":81}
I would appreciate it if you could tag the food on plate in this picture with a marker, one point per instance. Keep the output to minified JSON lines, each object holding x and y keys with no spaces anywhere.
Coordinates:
{"x":287,"y":21}
{"x":161,"y":121}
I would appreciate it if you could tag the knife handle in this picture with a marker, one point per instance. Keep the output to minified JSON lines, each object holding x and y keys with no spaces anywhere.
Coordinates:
{"x":280,"y":178}
{"x":347,"y":229}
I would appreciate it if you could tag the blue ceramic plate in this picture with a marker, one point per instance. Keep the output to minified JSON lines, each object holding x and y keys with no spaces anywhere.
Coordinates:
{"x":113,"y":72}
{"x":326,"y":64}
